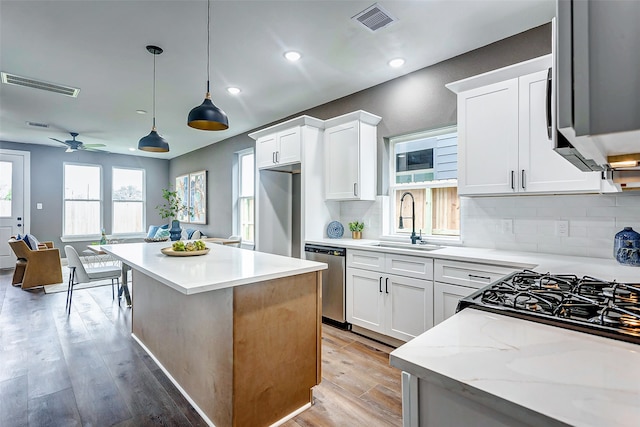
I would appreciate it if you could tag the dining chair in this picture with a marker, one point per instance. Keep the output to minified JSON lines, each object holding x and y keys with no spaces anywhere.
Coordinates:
{"x":79,"y":274}
{"x":235,"y":245}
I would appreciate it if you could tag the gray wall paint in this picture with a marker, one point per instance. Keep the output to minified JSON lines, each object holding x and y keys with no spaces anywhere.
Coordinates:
{"x":217,"y":160}
{"x":411,"y":103}
{"x":47,"y":186}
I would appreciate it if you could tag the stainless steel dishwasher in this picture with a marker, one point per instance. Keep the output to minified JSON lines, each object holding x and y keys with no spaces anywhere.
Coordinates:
{"x":333,"y":282}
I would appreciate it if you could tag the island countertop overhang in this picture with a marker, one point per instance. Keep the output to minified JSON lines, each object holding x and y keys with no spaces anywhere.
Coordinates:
{"x":222,"y":267}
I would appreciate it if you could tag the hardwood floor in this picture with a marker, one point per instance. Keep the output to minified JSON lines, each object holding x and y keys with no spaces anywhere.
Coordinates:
{"x":85,"y":369}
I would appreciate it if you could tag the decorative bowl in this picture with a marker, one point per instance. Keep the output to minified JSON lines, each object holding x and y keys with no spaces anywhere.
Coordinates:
{"x":335,"y":230}
{"x":150,"y":240}
{"x":170,"y":252}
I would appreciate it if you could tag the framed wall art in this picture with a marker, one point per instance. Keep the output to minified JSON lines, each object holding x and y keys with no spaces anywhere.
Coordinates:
{"x":192,"y":189}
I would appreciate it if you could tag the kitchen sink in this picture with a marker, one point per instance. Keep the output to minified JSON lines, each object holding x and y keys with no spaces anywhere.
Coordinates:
{"x":398,"y":245}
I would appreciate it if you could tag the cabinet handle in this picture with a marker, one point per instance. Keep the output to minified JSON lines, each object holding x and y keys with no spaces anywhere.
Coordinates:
{"x":513,"y":178}
{"x":277,"y":157}
{"x":522,"y":181}
{"x":273,"y":157}
{"x":473,"y":276}
{"x":355,"y":189}
{"x":386,"y":286}
{"x":549,"y":101}
{"x":380,"y":284}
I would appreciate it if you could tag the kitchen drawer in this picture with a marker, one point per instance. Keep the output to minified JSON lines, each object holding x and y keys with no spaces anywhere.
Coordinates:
{"x":469,"y":274}
{"x":368,"y":260}
{"x":410,"y":266}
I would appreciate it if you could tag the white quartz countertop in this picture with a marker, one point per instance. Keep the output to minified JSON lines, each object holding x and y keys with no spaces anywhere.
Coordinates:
{"x":601,"y":268}
{"x":222,"y":267}
{"x":574,"y":377}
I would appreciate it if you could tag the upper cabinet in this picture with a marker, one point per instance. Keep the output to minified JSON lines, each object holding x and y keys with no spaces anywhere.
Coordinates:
{"x":350,"y":156}
{"x":505,"y":144}
{"x":280,"y":145}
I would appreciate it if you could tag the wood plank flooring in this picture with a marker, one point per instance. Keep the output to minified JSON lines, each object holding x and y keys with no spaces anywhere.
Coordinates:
{"x":86,"y":370}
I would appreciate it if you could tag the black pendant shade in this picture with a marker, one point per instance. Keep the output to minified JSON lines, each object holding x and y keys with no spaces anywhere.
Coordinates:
{"x":154,"y":142}
{"x":207,"y":116}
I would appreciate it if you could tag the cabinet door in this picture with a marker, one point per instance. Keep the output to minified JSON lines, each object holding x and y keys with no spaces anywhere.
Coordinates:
{"x":445,"y":300}
{"x":541,"y":168}
{"x":488,"y":139}
{"x":266,"y":148}
{"x":411,"y":266}
{"x":288,"y":150}
{"x":469,"y":274}
{"x":342,"y":161}
{"x":408,"y":306}
{"x":369,"y":260}
{"x":365,"y":303}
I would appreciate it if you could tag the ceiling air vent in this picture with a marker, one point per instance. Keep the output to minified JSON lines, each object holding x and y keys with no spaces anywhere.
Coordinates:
{"x":38,"y":125}
{"x":374,"y":18}
{"x":12,"y":79}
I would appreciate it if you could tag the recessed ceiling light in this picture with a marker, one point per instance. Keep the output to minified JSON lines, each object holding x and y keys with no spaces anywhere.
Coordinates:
{"x":233,"y":90}
{"x":132,"y":149}
{"x":292,"y":56}
{"x":397,"y":62}
{"x":141,"y":112}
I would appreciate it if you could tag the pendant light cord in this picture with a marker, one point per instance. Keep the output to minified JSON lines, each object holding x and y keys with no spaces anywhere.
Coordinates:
{"x":208,"y":42}
{"x":154,"y":89}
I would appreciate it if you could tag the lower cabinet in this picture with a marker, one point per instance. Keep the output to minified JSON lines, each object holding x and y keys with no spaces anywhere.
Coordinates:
{"x":445,"y":299}
{"x":396,"y":306}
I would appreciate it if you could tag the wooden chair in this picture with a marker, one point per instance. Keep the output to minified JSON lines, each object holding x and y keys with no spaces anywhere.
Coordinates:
{"x":36,"y":267}
{"x":78,"y":274}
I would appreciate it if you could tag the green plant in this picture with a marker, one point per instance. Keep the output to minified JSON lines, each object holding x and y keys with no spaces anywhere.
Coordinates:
{"x":173,"y":205}
{"x":356,"y":226}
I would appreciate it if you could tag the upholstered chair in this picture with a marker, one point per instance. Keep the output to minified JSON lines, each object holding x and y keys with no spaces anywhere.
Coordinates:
{"x":36,"y":267}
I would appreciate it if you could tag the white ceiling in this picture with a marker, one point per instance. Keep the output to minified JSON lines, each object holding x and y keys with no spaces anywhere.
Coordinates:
{"x":99,"y":47}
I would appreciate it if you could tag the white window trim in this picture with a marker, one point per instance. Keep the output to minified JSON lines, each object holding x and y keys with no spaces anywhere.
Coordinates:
{"x":389,"y":233}
{"x":235,"y":192}
{"x":73,"y":237}
{"x":144,"y":203}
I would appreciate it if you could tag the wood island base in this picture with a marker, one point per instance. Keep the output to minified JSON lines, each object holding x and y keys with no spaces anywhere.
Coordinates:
{"x":243,"y":356}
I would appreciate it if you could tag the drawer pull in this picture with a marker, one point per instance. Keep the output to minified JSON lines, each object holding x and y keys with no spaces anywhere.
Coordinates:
{"x":474,"y":276}
{"x":380,"y":284}
{"x":386,"y":286}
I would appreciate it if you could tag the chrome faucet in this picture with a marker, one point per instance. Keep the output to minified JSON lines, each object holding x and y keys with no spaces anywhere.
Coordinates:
{"x":414,"y":238}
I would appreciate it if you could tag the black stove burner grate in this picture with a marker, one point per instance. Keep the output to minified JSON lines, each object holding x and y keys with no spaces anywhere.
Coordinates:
{"x":584,"y":303}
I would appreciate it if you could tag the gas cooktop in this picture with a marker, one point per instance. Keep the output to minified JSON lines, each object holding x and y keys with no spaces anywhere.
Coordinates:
{"x":584,"y":304}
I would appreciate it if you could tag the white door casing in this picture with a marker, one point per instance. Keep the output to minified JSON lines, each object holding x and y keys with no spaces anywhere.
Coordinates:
{"x":16,"y":221}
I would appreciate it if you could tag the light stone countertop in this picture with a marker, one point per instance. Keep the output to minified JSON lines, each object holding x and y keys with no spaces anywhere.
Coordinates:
{"x":601,"y":268}
{"x":574,"y":377}
{"x":222,"y":267}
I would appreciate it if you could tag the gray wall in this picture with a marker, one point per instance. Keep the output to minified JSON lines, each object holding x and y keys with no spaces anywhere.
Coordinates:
{"x":415,"y":102}
{"x":47,"y":186}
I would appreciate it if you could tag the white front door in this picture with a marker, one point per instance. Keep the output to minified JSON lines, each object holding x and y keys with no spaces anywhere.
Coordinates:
{"x":14,"y":200}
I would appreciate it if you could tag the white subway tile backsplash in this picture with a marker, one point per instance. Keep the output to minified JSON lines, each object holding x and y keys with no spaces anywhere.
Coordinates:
{"x":593,"y":221}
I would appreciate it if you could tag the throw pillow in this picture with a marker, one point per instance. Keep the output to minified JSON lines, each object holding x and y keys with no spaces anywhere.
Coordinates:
{"x":162,"y":233}
{"x":190,"y":232}
{"x":31,"y":241}
{"x":153,"y":229}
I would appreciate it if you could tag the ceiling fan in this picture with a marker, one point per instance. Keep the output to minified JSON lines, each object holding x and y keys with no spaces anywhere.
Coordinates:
{"x":73,"y":144}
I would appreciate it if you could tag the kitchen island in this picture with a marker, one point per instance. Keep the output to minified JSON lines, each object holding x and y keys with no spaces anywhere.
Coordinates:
{"x":237,"y":331}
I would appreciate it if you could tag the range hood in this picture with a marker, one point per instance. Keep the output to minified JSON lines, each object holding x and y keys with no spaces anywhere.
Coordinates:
{"x":597,"y":86}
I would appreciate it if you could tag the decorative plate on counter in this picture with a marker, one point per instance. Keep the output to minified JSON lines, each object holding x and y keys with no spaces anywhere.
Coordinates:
{"x":170,"y":252}
{"x":335,"y":230}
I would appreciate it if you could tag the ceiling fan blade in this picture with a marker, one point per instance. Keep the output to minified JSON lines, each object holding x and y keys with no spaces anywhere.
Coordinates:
{"x":95,"y":150}
{"x":61,"y":142}
{"x":93,"y":145}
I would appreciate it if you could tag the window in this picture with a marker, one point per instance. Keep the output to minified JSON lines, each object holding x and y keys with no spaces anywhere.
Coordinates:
{"x":128,"y":198}
{"x":82,"y":200}
{"x":244,"y":224}
{"x":424,"y":176}
{"x":6,"y":184}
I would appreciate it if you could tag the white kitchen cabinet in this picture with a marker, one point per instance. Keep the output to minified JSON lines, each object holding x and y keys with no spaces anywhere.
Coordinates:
{"x":503,"y":145}
{"x":454,"y":280}
{"x":278,"y":149}
{"x":350,"y":156}
{"x":399,"y":306}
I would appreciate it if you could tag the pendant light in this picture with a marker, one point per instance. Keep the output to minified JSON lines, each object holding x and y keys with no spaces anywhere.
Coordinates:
{"x":207,"y":116}
{"x":154,"y":142}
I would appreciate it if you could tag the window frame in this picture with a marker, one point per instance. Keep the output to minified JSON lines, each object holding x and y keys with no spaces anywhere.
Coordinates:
{"x":69,"y":237}
{"x":237,"y":195}
{"x":395,"y":187}
{"x":143,"y":201}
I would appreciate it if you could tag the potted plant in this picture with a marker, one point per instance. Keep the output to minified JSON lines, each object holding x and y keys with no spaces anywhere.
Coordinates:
{"x":170,"y":210}
{"x":356,"y":229}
